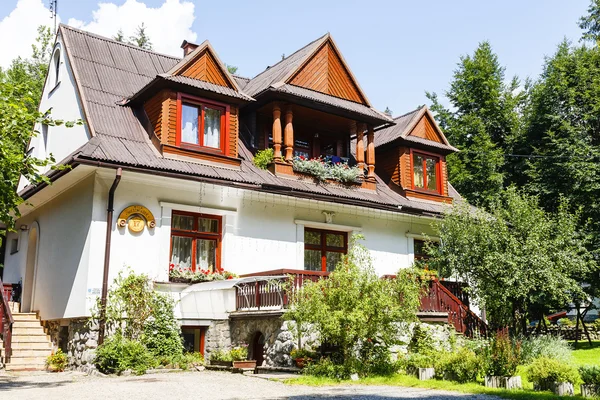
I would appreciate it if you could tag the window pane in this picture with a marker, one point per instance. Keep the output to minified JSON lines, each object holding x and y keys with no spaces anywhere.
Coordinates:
{"x":312,"y":260}
{"x":208,"y":225}
{"x":335,"y":240}
{"x":189,"y":124}
{"x":181,"y":251}
{"x":418,"y":171}
{"x":312,"y":237}
{"x":431,"y":174}
{"x":206,"y":254}
{"x":332,"y":260}
{"x":184,"y":222}
{"x":212,"y":127}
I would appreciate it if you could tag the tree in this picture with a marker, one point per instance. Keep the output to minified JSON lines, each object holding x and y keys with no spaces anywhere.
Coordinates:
{"x":388,"y":112}
{"x":590,"y":23}
{"x":120,"y":36}
{"x":356,"y":312}
{"x":232,"y":69}
{"x":140,"y":38}
{"x":482,"y":122}
{"x":518,"y":259}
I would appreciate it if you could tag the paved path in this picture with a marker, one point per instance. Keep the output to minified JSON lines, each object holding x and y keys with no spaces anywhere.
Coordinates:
{"x":195,"y":385}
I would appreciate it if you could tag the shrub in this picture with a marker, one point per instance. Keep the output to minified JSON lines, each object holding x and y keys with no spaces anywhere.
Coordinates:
{"x":239,"y":353}
{"x":417,"y":360}
{"x":545,"y":346}
{"x":316,"y":167}
{"x":323,"y":169}
{"x":503,"y":356}
{"x":57,"y":361}
{"x":461,"y":366}
{"x":342,"y":172}
{"x":220,"y":355}
{"x":187,"y":360}
{"x":566,"y":322}
{"x":421,"y":341}
{"x":118,"y":354}
{"x":545,"y":371}
{"x":263,"y":158}
{"x":161,"y":332}
{"x":328,"y":369}
{"x":590,"y":375}
{"x":596,"y":324}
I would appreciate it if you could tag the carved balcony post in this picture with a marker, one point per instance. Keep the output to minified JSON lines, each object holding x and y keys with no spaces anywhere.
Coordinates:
{"x":276,"y":131}
{"x":371,"y":153}
{"x":288,"y":138}
{"x":360,"y":144}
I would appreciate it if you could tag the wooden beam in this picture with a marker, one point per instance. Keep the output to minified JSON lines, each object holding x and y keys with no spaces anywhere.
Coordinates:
{"x":371,"y":153}
{"x":277,"y":131}
{"x":360,"y":145}
{"x":289,"y":134}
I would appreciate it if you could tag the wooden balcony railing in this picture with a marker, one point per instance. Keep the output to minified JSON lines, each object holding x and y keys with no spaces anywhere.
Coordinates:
{"x":6,"y":320}
{"x":438,"y":298}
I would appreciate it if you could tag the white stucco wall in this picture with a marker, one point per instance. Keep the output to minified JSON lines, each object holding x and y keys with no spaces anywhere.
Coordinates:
{"x":62,"y":99}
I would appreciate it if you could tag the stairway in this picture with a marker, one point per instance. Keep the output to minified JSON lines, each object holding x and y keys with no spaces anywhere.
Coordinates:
{"x":30,"y":344}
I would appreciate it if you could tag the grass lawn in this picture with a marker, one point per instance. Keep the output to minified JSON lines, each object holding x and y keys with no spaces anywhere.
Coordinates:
{"x":583,"y":354}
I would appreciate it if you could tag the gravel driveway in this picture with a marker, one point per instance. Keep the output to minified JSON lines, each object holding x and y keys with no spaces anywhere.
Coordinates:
{"x":195,"y":385}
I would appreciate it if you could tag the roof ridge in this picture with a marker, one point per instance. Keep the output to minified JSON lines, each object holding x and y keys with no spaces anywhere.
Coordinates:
{"x":95,"y":35}
{"x":241,"y":77}
{"x":284,"y":59}
{"x":410,"y":112}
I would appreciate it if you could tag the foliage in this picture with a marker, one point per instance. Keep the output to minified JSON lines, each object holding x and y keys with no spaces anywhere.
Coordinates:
{"x":325,"y":367}
{"x":303,"y":353}
{"x":120,"y":36}
{"x":188,"y":360}
{"x":566,"y":322}
{"x":545,"y":371}
{"x":414,"y":361}
{"x":482,"y":121}
{"x":57,"y":361}
{"x":220,"y":355}
{"x":161,"y":330}
{"x":355,"y":311}
{"x":590,"y":374}
{"x":590,"y":23}
{"x":324,"y":169}
{"x":201,"y":275}
{"x":232,"y":69}
{"x":461,"y":366}
{"x":516,"y":258}
{"x":503,"y":356}
{"x":140,"y":38}
{"x":118,"y":354}
{"x":239,"y":353}
{"x":263,"y":158}
{"x":421,"y":341}
{"x":545,"y":346}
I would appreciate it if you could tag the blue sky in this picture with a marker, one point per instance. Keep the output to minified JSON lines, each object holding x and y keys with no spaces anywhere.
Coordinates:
{"x":396,"y":49}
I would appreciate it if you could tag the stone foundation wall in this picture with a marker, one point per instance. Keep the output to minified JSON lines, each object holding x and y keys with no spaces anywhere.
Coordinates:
{"x":218,"y":335}
{"x":82,"y":343}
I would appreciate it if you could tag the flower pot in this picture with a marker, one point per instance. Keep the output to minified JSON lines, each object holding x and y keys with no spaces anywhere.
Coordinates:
{"x":221,"y":363}
{"x":426,"y":373}
{"x":246,"y":364}
{"x":503,"y":382}
{"x":590,"y":390}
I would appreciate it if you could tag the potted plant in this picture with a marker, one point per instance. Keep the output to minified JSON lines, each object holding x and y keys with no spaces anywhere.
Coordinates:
{"x":221,"y":358}
{"x":239,"y":356}
{"x":502,"y":359}
{"x":550,"y":374}
{"x":302,"y":357}
{"x":590,"y":375}
{"x":57,"y":361}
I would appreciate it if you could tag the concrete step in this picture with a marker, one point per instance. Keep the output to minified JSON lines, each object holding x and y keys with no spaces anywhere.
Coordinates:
{"x":23,"y":331}
{"x":26,"y":367}
{"x":31,"y":353}
{"x":27,"y":324}
{"x":25,"y":317}
{"x":40,"y":345}
{"x":30,"y":338}
{"x":15,"y":360}
{"x":14,"y":307}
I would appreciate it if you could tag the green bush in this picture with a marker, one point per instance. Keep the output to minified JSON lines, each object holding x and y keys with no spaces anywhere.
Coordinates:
{"x":57,"y":361}
{"x":161,"y":331}
{"x":461,"y":366}
{"x":186,"y":361}
{"x":328,"y":369}
{"x":118,"y":354}
{"x":220,"y":355}
{"x":566,"y":322}
{"x":263,"y":158}
{"x":503,"y":356}
{"x":417,"y":360}
{"x":421,"y":341}
{"x":590,"y":375}
{"x":239,"y":353}
{"x":545,"y":346}
{"x":545,"y":371}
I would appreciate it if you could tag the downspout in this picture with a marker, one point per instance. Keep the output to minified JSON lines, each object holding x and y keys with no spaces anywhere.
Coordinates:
{"x":109,"y":218}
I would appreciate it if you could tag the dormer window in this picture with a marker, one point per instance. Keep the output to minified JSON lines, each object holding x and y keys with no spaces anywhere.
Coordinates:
{"x":202,"y":124}
{"x":426,"y":172}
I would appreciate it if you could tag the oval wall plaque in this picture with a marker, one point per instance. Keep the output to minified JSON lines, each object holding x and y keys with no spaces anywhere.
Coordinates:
{"x":135,"y":217}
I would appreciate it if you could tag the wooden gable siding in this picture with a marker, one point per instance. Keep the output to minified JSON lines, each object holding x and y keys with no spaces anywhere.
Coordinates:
{"x":326,"y":73}
{"x":205,"y":68}
{"x":153,"y":108}
{"x":234,"y":130}
{"x":162,"y":113}
{"x":426,"y":129}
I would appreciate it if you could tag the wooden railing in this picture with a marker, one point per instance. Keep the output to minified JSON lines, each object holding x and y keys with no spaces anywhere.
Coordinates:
{"x":457,"y":289}
{"x":265,"y":293}
{"x":6,"y":320}
{"x":439,"y":299}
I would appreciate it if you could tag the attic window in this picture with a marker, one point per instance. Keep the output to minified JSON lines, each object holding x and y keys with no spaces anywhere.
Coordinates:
{"x":426,"y":172}
{"x":201,"y":124}
{"x":56,"y":67}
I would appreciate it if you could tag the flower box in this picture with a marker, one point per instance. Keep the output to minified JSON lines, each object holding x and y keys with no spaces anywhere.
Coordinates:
{"x":504,"y":382}
{"x":590,"y":390}
{"x":246,"y":364}
{"x":426,"y":373}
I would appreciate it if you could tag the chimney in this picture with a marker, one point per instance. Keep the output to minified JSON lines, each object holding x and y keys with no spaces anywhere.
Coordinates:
{"x":188,"y":47}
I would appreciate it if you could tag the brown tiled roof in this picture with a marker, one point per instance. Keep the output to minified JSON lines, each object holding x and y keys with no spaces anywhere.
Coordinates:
{"x":107,"y":72}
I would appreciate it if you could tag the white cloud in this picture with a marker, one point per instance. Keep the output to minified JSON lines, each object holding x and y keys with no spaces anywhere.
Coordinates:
{"x":167,"y":26}
{"x":18,"y":30}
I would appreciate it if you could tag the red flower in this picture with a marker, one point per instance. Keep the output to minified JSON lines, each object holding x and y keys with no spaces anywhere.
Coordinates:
{"x":230,"y":277}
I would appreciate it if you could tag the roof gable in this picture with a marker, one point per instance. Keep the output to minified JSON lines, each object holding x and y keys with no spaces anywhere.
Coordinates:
{"x":425,"y":128}
{"x":204,"y":64}
{"x":326,"y":71}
